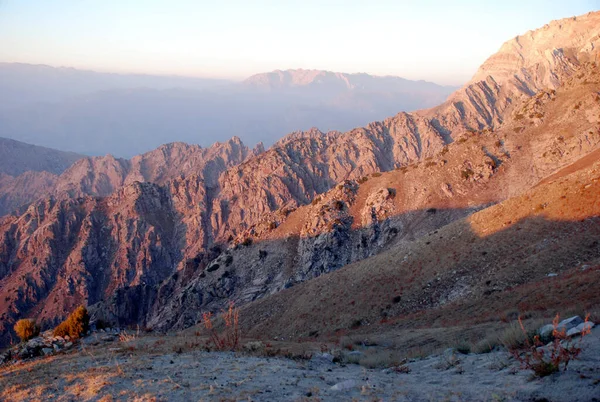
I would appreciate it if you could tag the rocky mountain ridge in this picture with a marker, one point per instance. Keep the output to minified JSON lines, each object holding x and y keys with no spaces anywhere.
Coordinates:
{"x":101,"y":176}
{"x":159,"y":254}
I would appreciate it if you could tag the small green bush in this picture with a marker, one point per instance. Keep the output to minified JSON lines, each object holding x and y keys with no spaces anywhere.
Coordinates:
{"x":76,"y":325}
{"x":26,"y":329}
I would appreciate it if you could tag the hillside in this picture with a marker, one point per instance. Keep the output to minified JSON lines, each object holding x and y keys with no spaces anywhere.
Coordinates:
{"x":159,"y":253}
{"x":535,"y":253}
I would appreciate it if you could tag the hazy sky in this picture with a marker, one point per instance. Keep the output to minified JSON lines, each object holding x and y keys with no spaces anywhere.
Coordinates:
{"x":443,"y":41}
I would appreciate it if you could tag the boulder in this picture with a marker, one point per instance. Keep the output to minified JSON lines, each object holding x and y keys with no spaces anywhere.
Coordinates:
{"x":584,"y":326}
{"x":35,"y":342}
{"x":565,"y":325}
{"x":569,"y":323}
{"x":47,"y":351}
{"x":546,"y":330}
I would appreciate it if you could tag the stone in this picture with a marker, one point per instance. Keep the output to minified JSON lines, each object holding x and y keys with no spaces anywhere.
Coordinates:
{"x":322,"y":358}
{"x":569,"y":323}
{"x":56,"y":347}
{"x":546,"y":330}
{"x":341,"y":386}
{"x":47,"y":351}
{"x":584,"y":326}
{"x":35,"y":342}
{"x":68,"y":345}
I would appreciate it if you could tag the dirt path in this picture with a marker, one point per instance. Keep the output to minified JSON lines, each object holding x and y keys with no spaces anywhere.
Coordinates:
{"x":116,"y":371}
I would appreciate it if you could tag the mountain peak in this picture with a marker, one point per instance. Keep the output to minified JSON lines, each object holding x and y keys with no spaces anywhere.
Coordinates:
{"x":535,"y":59}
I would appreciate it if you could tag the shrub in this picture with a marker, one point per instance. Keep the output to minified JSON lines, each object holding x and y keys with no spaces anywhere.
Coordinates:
{"x":376,"y":174}
{"x":76,"y":325}
{"x":230,"y":338}
{"x":26,"y":329}
{"x":544,"y":361}
{"x":316,"y":200}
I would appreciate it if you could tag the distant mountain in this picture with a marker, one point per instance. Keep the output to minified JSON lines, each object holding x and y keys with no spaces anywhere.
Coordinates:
{"x":328,"y":80}
{"x":21,"y":83}
{"x":18,"y":157}
{"x":125,"y":115}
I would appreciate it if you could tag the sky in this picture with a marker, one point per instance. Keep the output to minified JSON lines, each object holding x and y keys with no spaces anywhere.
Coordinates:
{"x":439,"y":41}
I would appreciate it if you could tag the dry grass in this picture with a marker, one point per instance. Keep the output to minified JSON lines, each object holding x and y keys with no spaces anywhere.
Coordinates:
{"x":229,"y":339}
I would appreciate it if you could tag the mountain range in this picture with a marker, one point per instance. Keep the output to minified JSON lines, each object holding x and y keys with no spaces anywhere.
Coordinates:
{"x":411,"y":215}
{"x":125,"y":115}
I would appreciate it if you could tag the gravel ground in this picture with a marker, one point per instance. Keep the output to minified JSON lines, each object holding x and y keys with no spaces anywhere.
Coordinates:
{"x":115,"y":371}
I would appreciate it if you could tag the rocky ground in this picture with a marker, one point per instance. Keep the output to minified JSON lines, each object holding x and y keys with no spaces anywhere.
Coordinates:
{"x":170,"y":368}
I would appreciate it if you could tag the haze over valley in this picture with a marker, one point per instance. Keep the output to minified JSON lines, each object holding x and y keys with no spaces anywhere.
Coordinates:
{"x":125,"y":115}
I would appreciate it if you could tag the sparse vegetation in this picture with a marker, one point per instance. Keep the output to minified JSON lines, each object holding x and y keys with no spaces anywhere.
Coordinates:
{"x":76,"y":325}
{"x":544,"y":361}
{"x":230,"y":338}
{"x":26,"y":329}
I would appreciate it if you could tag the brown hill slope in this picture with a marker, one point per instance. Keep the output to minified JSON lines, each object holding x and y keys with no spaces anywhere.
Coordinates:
{"x":536,"y":254}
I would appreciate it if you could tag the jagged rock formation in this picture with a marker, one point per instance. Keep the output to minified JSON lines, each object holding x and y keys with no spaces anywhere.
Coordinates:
{"x":157,"y":253}
{"x":101,"y":176}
